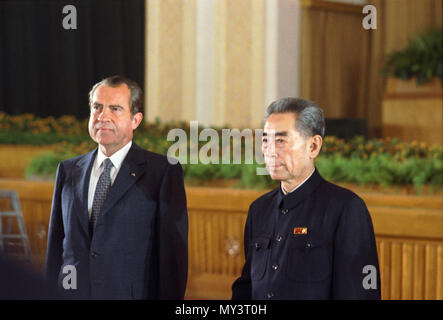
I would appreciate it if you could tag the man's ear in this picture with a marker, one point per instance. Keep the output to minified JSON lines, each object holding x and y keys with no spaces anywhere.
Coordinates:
{"x":315,"y":144}
{"x":136,"y":120}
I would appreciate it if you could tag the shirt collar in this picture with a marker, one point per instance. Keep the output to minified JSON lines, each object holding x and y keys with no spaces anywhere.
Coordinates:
{"x":288,"y":192}
{"x":117,"y":158}
{"x":303,"y":191}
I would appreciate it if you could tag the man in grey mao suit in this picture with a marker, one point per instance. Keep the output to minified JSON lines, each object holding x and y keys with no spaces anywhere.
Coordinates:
{"x":136,"y":245}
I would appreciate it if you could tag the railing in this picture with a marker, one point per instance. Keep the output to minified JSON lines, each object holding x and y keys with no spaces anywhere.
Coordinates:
{"x":18,"y":157}
{"x":409,"y":233}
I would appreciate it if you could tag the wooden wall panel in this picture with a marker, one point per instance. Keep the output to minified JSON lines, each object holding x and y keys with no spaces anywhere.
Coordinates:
{"x":409,"y":235}
{"x":216,"y":252}
{"x":405,"y":18}
{"x":18,"y":158}
{"x":341,"y":62}
{"x":409,"y":119}
{"x":410,"y":269}
{"x":412,"y":112}
{"x":334,"y":58}
{"x":397,"y":22}
{"x":221,"y":255}
{"x":35,"y":200}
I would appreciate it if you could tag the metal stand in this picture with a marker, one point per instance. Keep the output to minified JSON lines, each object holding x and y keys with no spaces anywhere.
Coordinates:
{"x":13,"y":244}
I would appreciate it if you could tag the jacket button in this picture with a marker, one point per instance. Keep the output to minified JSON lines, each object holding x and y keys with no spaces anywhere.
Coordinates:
{"x":257,"y":246}
{"x":284,"y":211}
{"x":94,"y":254}
{"x":279,"y":238}
{"x":275,"y":266}
{"x":308,"y":245}
{"x":270,"y":295}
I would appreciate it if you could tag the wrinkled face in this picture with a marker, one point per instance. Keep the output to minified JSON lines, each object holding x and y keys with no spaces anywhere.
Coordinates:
{"x":111,"y":123}
{"x":287,"y":153}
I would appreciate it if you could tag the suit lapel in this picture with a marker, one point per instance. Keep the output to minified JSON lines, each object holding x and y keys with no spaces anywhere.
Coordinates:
{"x":80,"y":184}
{"x":131,"y":170}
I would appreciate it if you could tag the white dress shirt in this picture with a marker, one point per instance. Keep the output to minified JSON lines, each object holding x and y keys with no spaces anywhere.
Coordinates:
{"x":288,"y":192}
{"x":97,"y":169}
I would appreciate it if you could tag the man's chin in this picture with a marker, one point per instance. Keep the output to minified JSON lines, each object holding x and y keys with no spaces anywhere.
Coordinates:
{"x":277,"y":177}
{"x":105,"y":137}
{"x":276,"y":174}
{"x":104,"y":142}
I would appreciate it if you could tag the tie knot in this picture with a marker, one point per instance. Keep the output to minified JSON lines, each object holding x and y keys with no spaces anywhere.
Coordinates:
{"x":107,"y":163}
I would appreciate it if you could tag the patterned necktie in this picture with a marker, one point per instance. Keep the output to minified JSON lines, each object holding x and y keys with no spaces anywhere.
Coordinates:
{"x":101,"y":190}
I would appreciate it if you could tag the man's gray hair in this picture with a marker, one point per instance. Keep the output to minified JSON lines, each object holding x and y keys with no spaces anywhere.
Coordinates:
{"x":309,"y":117}
{"x":136,"y":99}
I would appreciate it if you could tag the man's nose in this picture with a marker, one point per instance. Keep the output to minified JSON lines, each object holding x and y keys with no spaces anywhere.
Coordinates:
{"x":269,"y":149}
{"x":104,"y":114}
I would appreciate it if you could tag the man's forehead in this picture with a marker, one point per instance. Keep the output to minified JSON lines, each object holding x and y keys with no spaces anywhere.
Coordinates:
{"x":273,"y":132}
{"x":280,"y":124}
{"x":112,"y":96}
{"x":103,"y":91}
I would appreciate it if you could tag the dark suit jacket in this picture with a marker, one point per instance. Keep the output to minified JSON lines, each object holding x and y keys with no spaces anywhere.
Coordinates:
{"x":328,"y":262}
{"x":139,"y":246}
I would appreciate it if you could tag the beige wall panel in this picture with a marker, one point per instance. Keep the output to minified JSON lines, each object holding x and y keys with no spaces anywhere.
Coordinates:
{"x":165,"y":52}
{"x":258,"y":43}
{"x":236,"y":55}
{"x":239,"y":52}
{"x":233,"y":40}
{"x":152,"y":43}
{"x":170,"y":62}
{"x":220,"y":66}
{"x":188,"y":103}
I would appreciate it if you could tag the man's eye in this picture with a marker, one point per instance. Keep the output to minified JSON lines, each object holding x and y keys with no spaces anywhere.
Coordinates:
{"x":115,"y":108}
{"x":280,"y":140}
{"x":265,"y":140}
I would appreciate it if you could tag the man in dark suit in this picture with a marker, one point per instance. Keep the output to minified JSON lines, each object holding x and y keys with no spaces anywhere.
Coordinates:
{"x":119,"y":225}
{"x":308,"y":238}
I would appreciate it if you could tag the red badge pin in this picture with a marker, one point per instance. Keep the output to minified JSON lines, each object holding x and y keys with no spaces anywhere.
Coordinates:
{"x":299,"y":230}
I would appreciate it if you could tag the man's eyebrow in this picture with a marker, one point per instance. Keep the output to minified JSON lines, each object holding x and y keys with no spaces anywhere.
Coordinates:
{"x":97,"y":104}
{"x":278,"y":133}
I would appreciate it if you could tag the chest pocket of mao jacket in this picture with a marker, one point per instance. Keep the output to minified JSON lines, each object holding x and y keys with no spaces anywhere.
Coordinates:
{"x":308,"y":259}
{"x":260,"y":255}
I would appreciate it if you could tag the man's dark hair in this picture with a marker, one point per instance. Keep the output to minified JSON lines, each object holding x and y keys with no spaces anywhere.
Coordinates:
{"x":136,"y":94}
{"x":308,"y":116}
